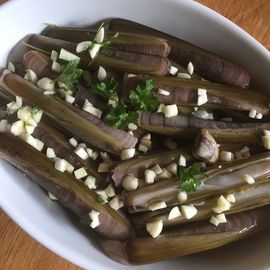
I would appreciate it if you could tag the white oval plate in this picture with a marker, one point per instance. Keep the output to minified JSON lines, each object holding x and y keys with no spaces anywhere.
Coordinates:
{"x":45,"y":220}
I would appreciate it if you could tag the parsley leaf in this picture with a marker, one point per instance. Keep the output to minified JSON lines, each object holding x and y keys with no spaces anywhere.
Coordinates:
{"x":191,"y":177}
{"x":35,"y":110}
{"x":119,"y":117}
{"x":107,"y":88}
{"x":71,"y":75}
{"x":142,"y":98}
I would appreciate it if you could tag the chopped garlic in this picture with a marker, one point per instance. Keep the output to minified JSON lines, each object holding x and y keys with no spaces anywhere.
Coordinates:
{"x":130,"y":132}
{"x":149,"y":176}
{"x":56,"y":67}
{"x":49,"y":92}
{"x":104,"y":156}
{"x":189,"y":211}
{"x":73,"y":142}
{"x":146,"y":137}
{"x":249,"y":179}
{"x":94,"y":216}
{"x":259,"y":116}
{"x":146,"y":143}
{"x":30,"y":140}
{"x":101,"y":73}
{"x":110,"y":191}
{"x":230,"y":198}
{"x":170,"y":110}
{"x":90,"y":182}
{"x":155,"y":228}
{"x":130,"y":183}
{"x":173,"y":70}
{"x":174,"y":213}
{"x":226,"y":156}
{"x":52,"y":197}
{"x":183,"y":75}
{"x":25,"y":114}
{"x":39,"y":145}
{"x":127,"y":153}
{"x":104,"y":167}
{"x":202,"y":96}
{"x":163,"y":92}
{"x":157,"y":169}
{"x":79,"y":151}
{"x":94,"y":155}
{"x":89,"y":151}
{"x":142,"y":148}
{"x":266,"y":141}
{"x":214,"y":221}
{"x":11,"y":66}
{"x":100,"y":35}
{"x":266,"y":132}
{"x":80,"y":173}
{"x":83,"y":46}
{"x":94,"y":50}
{"x":182,"y":161}
{"x":116,"y":203}
{"x":156,"y":205}
{"x":132,"y":126}
{"x":165,"y":174}
{"x":221,"y":218}
{"x":88,"y":107}
{"x":50,"y":153}
{"x":17,"y":128}
{"x":222,"y":205}
{"x":68,"y":56}
{"x":54,"y":55}
{"x":182,"y":196}
{"x":46,"y":84}
{"x":60,"y":165}
{"x":69,"y":99}
{"x":202,"y":92}
{"x":130,"y":75}
{"x":12,"y":107}
{"x":172,"y":168}
{"x":252,"y":113}
{"x":190,"y":68}
{"x":31,"y":76}
{"x":38,"y":116}
{"x":102,"y":195}
{"x":160,"y":108}
{"x":3,"y":125}
{"x":69,"y":167}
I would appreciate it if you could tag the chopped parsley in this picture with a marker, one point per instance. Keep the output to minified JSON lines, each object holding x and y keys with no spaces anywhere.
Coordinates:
{"x":107,"y":88}
{"x":71,"y":75}
{"x":142,"y":98}
{"x":191,"y":177}
{"x":35,"y":110}
{"x":120,"y":117}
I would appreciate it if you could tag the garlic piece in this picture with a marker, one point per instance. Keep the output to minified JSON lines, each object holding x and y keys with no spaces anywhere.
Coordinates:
{"x":170,"y":110}
{"x":90,"y":182}
{"x":94,"y":216}
{"x":182,"y":196}
{"x":80,"y":173}
{"x":127,"y":153}
{"x":149,"y":176}
{"x":101,"y":75}
{"x":189,"y":211}
{"x":130,"y":183}
{"x":156,"y":205}
{"x":155,"y":228}
{"x":50,"y":153}
{"x":174,"y":213}
{"x":68,"y":56}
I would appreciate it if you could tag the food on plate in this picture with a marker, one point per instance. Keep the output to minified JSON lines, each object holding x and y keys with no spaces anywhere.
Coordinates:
{"x":159,"y":146}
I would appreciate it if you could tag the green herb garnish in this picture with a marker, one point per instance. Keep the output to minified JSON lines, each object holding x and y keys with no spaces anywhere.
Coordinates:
{"x":71,"y":75}
{"x":191,"y":177}
{"x":107,"y":88}
{"x":101,"y":200}
{"x":119,"y":117}
{"x":142,"y":98}
{"x":35,"y":110}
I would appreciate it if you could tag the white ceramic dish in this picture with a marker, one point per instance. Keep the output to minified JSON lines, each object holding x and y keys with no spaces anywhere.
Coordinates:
{"x":45,"y":220}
